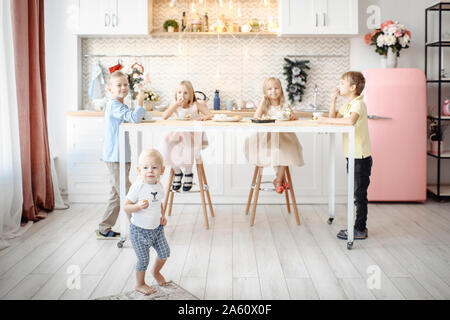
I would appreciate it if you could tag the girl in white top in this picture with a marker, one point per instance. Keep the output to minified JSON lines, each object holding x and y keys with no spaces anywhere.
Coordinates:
{"x":274,"y":149}
{"x":181,"y":148}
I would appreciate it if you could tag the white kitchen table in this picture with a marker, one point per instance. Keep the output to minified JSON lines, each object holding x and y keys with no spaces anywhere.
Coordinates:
{"x":245,"y":127}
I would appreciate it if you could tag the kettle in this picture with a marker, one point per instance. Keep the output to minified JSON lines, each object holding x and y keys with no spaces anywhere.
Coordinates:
{"x":201,"y":96}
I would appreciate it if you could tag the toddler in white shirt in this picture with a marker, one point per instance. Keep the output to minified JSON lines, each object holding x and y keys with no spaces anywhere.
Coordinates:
{"x":144,"y":203}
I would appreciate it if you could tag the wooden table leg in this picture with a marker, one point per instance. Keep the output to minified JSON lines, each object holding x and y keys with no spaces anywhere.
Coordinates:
{"x":255,"y":173}
{"x":291,"y":188}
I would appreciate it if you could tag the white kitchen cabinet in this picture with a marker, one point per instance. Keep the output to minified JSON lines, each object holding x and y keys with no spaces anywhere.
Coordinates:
{"x":114,"y":17}
{"x":302,"y":17}
{"x":87,"y":175}
{"x":307,"y":179}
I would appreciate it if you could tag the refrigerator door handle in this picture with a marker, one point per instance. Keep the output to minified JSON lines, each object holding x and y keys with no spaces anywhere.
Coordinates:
{"x":375,"y":117}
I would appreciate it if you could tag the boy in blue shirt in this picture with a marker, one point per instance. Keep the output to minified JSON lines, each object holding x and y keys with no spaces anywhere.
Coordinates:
{"x":116,"y":112}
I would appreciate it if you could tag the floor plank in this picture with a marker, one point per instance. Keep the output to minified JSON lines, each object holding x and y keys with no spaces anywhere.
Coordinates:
{"x":219,"y":282}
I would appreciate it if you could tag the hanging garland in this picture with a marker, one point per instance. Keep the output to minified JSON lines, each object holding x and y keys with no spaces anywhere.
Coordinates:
{"x":296,"y":78}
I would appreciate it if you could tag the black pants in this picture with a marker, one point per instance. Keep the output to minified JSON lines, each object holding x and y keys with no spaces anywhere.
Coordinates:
{"x":363,"y":168}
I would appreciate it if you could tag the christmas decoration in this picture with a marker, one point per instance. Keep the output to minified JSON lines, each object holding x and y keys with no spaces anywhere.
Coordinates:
{"x":296,"y":78}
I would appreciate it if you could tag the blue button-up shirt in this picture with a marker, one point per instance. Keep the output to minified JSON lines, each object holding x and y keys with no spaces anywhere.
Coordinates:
{"x":115,"y":114}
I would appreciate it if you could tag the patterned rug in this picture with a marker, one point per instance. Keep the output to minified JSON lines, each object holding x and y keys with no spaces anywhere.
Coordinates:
{"x":171,"y":291}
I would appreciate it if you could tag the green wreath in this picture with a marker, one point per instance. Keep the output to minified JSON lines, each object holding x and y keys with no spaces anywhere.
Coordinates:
{"x":296,"y":78}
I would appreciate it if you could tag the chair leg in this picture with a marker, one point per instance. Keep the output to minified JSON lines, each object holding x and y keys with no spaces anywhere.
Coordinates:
{"x":291,"y":188}
{"x":169,"y":187}
{"x":171,"y":202}
{"x":202,"y":195}
{"x":286,"y":193}
{"x":255,"y":173}
{"x":208,"y":196}
{"x":255,"y":201}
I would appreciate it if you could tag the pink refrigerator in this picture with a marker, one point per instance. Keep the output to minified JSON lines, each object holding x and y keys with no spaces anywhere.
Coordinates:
{"x":397,"y":108}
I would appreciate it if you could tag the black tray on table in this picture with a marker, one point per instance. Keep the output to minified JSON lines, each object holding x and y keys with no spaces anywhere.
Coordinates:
{"x":254,"y":120}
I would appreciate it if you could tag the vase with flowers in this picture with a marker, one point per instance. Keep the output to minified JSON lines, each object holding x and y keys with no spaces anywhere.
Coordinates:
{"x":389,"y":40}
{"x":135,"y":77}
{"x":150,"y":99}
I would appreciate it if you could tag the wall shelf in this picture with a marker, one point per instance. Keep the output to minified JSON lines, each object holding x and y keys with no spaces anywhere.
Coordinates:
{"x":444,"y":191}
{"x":440,"y":190}
{"x":206,"y":34}
{"x":444,"y":154}
{"x":437,"y":118}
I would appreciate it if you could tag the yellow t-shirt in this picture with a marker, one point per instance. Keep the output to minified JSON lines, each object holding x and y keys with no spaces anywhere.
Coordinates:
{"x":362,"y":140}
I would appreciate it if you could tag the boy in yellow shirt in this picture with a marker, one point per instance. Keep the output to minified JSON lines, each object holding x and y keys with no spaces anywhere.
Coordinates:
{"x":354,"y":112}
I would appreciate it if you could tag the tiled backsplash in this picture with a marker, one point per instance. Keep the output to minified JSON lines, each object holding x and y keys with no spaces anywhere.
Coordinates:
{"x":212,"y":62}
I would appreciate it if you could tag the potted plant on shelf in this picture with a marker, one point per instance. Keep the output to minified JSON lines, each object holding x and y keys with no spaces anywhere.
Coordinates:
{"x":389,"y":40}
{"x":435,"y":138}
{"x":170,"y":25}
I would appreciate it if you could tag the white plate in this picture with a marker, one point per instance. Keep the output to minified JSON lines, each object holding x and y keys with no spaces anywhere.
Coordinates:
{"x":184,"y":119}
{"x":227,"y":120}
{"x":282,"y":119}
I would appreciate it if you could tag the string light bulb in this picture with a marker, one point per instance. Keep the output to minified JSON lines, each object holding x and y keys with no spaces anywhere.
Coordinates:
{"x":221,"y":3}
{"x":239,"y":12}
{"x":246,"y":53}
{"x":217,"y":72}
{"x":172,"y":3}
{"x":230,"y":4}
{"x":266,"y":2}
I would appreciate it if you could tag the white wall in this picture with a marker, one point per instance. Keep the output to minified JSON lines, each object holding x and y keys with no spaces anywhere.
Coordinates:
{"x":62,"y":51}
{"x":61,"y":68}
{"x":411,"y":13}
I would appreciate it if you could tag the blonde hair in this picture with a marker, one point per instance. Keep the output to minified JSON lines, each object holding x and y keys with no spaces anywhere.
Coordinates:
{"x":116,"y":74}
{"x":265,"y":85}
{"x":190,"y":88}
{"x":151,"y":153}
{"x":355,"y":78}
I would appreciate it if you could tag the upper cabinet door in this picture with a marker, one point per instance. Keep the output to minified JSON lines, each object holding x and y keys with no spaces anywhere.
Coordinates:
{"x":93,"y":16}
{"x":339,"y":16}
{"x":303,"y":17}
{"x":297,"y":17}
{"x":132,"y":17}
{"x":122,"y":17}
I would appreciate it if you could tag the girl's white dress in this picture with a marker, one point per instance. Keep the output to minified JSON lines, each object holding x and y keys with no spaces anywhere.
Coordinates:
{"x":181,"y":148}
{"x":273,"y":148}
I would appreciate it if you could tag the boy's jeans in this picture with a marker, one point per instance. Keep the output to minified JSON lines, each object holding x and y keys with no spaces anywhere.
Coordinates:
{"x":113,"y":206}
{"x":363,"y":168}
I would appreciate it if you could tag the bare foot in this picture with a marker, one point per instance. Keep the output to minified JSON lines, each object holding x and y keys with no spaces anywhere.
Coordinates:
{"x":145,"y":289}
{"x":160,"y":279}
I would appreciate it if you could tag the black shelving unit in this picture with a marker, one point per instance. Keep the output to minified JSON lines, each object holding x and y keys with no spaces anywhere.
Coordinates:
{"x":438,"y":191}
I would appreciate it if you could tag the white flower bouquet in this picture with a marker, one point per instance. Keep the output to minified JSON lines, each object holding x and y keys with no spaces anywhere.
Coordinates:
{"x":391,"y":35}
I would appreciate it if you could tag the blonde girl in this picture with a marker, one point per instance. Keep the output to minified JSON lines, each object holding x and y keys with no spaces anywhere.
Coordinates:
{"x":181,"y":148}
{"x":274,"y":149}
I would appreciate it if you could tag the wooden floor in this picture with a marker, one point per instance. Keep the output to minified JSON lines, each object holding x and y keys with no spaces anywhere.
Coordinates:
{"x":276,"y":259}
